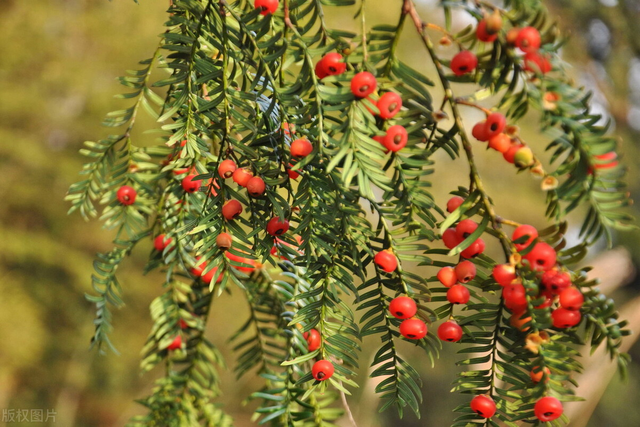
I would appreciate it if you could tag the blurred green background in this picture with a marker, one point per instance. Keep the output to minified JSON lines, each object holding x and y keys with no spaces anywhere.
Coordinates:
{"x":59,"y":60}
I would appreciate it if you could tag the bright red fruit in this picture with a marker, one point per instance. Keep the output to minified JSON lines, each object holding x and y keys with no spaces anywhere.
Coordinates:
{"x":208,"y":276}
{"x":268,"y":6}
{"x":571,"y":299}
{"x":450,"y":238}
{"x":447,"y":276}
{"x":331,"y":65}
{"x":537,"y":63}
{"x":413,"y":329}
{"x":322,"y":370}
{"x":483,"y":35}
{"x":548,"y":409}
{"x":256,"y":187}
{"x":463,"y":62}
{"x":563,"y":318}
{"x":515,"y":296}
{"x":313,"y":339}
{"x":386,"y":260}
{"x":126,"y":195}
{"x":403,"y":307}
{"x":363,"y":84}
{"x":501,"y":142}
{"x":277,"y":226}
{"x":301,"y":148}
{"x":450,"y":331}
{"x":232,"y":209}
{"x":465,"y":271}
{"x":479,"y":131}
{"x":176,"y":343}
{"x":495,"y":124}
{"x":454,"y":203}
{"x":483,"y":406}
{"x":242,"y":260}
{"x":465,"y":228}
{"x":528,"y":39}
{"x":227,"y":168}
{"x":242,"y":176}
{"x":458,"y":294}
{"x":510,"y":154}
{"x":542,"y":257}
{"x":396,"y":138}
{"x":161,"y":242}
{"x":522,"y":231}
{"x":389,"y":105}
{"x":553,"y":282}
{"x":190,"y":185}
{"x":611,"y":158}
{"x":224,"y":241}
{"x":474,"y":249}
{"x":504,"y":274}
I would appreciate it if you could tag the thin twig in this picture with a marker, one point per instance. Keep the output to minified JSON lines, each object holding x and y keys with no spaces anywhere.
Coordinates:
{"x":347,"y":409}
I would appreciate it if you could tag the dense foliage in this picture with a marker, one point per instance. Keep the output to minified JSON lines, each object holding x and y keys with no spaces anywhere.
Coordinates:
{"x":338,"y":209}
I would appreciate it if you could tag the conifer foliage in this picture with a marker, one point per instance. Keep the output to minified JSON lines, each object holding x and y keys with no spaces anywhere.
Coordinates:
{"x":293,"y":166}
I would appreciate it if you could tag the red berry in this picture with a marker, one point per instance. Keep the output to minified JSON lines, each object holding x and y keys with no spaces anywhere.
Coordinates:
{"x":301,"y":148}
{"x":528,"y":39}
{"x":386,"y":260}
{"x":537,"y":63}
{"x":479,"y":131}
{"x":242,"y":176}
{"x":542,"y":257}
{"x":454,"y":203}
{"x":474,"y":249}
{"x":548,"y":409}
{"x":226,"y":168}
{"x":554,"y":282}
{"x":126,"y":195}
{"x":208,"y":276}
{"x":483,"y":35}
{"x":363,"y":84}
{"x":501,"y":142}
{"x":413,"y":329}
{"x":465,"y":271}
{"x":389,"y":105}
{"x":483,"y":406}
{"x":522,"y":231}
{"x":242,"y":260}
{"x":450,"y":331}
{"x":403,"y":307}
{"x":161,"y":242}
{"x":313,"y":340}
{"x":321,"y":72}
{"x":396,"y":138}
{"x":450,"y":238}
{"x":232,"y":209}
{"x":292,"y":174}
{"x":465,"y":228}
{"x":537,"y":374}
{"x":447,"y":276}
{"x":571,"y":299}
{"x":224,"y":241}
{"x":515,"y":296}
{"x":463,"y":62}
{"x":458,"y":294}
{"x":190,"y":185}
{"x":495,"y":124}
{"x":183,"y":324}
{"x":611,"y":157}
{"x":563,"y":318}
{"x":277,"y":226}
{"x":176,"y":343}
{"x":322,"y":370}
{"x":255,"y":187}
{"x":332,"y":64}
{"x":504,"y":274}
{"x":510,"y":154}
{"x":268,"y":6}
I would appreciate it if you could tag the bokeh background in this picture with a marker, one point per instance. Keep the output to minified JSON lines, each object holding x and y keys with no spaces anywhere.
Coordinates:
{"x":59,"y":60}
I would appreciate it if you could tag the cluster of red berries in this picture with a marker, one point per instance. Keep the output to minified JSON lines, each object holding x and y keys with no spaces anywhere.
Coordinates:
{"x":546,"y":408}
{"x":493,"y":131}
{"x":452,"y":237}
{"x":455,"y":279}
{"x":405,"y":308}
